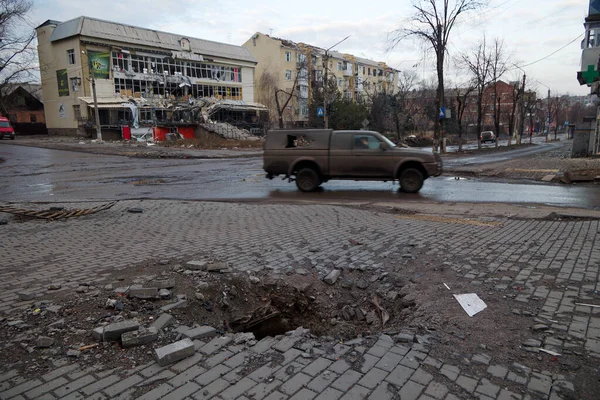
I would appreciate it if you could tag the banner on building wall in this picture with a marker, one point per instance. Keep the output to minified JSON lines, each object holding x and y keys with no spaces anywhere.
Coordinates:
{"x":62,"y":82}
{"x":100,"y":63}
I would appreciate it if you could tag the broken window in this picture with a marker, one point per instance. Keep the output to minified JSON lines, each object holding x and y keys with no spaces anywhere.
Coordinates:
{"x":339,"y":67}
{"x":298,"y":141}
{"x":288,"y":74}
{"x":71,"y":56}
{"x":288,"y":56}
{"x":32,"y":118}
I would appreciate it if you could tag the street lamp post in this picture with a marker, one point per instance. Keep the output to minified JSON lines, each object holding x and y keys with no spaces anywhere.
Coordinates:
{"x":326,"y":83}
{"x":97,"y":115}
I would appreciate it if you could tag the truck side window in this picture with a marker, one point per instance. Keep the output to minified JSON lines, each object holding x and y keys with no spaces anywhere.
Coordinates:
{"x":366,"y":142}
{"x":291,"y":141}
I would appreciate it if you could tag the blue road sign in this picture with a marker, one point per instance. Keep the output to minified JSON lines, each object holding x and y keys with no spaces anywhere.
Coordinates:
{"x":320,"y":112}
{"x":442,"y":112}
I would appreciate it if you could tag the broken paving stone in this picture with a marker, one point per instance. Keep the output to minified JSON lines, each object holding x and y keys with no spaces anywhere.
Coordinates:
{"x":202,"y":285}
{"x":53,"y":309}
{"x":73,"y":353}
{"x":122,"y":291}
{"x":24,"y":296}
{"x":481,"y":359}
{"x":135,"y":210}
{"x":347,"y":283}
{"x":301,"y":271}
{"x":540,"y":327}
{"x":405,"y":338}
{"x":139,"y":337}
{"x":362,"y":284}
{"x":177,"y":304}
{"x":254,"y":279}
{"x":163,"y":321}
{"x":54,"y":286}
{"x":162,"y":284}
{"x":139,"y":292}
{"x":217,"y":266}
{"x":115,"y":330}
{"x":372,"y":318}
{"x":44,"y":341}
{"x":164,"y":293}
{"x":199,"y":296}
{"x":532,"y":343}
{"x":348,"y":313}
{"x":391,"y":295}
{"x":57,"y":324}
{"x":174,"y":352}
{"x":200,"y":332}
{"x":332,"y":277}
{"x":196,"y":265}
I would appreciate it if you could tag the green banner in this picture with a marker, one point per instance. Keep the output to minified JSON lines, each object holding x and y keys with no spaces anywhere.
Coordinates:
{"x":63,"y":82}
{"x":100,"y":63}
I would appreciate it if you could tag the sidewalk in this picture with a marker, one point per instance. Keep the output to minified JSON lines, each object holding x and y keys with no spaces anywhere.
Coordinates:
{"x":231,"y":264}
{"x":133,"y":149}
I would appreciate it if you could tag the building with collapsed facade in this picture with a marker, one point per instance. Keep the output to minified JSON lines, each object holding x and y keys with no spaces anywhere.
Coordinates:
{"x":143,"y":78}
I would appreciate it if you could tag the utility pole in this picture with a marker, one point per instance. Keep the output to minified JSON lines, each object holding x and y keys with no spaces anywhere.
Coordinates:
{"x":326,"y":83}
{"x":548,"y":117}
{"x":522,"y":121}
{"x":97,"y":115}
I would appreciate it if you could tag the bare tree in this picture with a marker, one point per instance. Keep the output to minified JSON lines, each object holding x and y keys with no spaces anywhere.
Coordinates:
{"x":478,"y":63}
{"x":17,"y":54}
{"x":558,"y":112}
{"x":498,"y":67}
{"x":432,"y":24}
{"x":462,"y":99}
{"x":266,"y":87}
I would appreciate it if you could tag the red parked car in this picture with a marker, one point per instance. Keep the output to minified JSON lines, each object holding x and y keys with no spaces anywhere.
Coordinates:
{"x":6,"y":129}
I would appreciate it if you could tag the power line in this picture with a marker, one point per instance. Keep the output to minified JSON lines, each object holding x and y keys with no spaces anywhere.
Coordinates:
{"x":553,"y":53}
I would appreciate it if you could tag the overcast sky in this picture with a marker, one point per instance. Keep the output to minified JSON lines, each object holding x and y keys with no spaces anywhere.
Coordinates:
{"x":531,"y":29}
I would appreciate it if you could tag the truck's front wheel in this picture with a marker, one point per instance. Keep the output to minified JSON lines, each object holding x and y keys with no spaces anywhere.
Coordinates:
{"x":307,"y":180}
{"x":411,"y":180}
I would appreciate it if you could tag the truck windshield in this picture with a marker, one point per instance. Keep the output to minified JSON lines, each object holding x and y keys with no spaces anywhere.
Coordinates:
{"x":4,"y":124}
{"x":388,"y":142}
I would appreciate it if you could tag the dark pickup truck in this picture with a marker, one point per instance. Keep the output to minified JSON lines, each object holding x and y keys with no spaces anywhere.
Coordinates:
{"x":314,"y":156}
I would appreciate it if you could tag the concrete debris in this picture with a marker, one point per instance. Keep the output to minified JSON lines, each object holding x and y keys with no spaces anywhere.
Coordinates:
{"x":332,"y":277}
{"x":405,"y":338}
{"x":54,"y":286}
{"x":139,"y":337}
{"x":164,"y":294}
{"x":174,"y":352}
{"x":243,"y":337}
{"x":57,"y":324}
{"x":254,"y":279}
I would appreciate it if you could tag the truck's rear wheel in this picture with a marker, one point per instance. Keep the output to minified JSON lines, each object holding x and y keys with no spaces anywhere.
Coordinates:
{"x":307,"y":180}
{"x":411,"y":180}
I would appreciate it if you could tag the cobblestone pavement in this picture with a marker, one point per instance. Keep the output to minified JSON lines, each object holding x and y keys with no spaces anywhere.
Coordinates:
{"x":552,"y":263}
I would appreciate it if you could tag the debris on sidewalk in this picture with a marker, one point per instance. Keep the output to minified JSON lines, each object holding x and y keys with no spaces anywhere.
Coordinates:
{"x":53,"y":214}
{"x":471,"y":303}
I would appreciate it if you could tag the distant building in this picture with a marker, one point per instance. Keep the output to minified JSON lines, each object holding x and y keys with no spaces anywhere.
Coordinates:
{"x":22,"y":103}
{"x":281,"y":60}
{"x":137,"y":70}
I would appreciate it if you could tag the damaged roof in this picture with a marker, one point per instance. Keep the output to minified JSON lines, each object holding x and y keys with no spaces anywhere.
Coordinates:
{"x":123,"y":33}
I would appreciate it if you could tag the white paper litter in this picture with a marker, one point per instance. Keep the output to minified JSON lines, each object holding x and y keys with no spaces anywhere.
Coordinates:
{"x":471,"y":303}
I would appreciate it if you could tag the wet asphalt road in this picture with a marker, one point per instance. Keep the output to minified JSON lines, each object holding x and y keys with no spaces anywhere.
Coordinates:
{"x":35,"y":174}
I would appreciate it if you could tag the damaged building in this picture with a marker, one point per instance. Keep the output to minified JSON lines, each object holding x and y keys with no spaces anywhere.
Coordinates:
{"x":146,"y":80}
